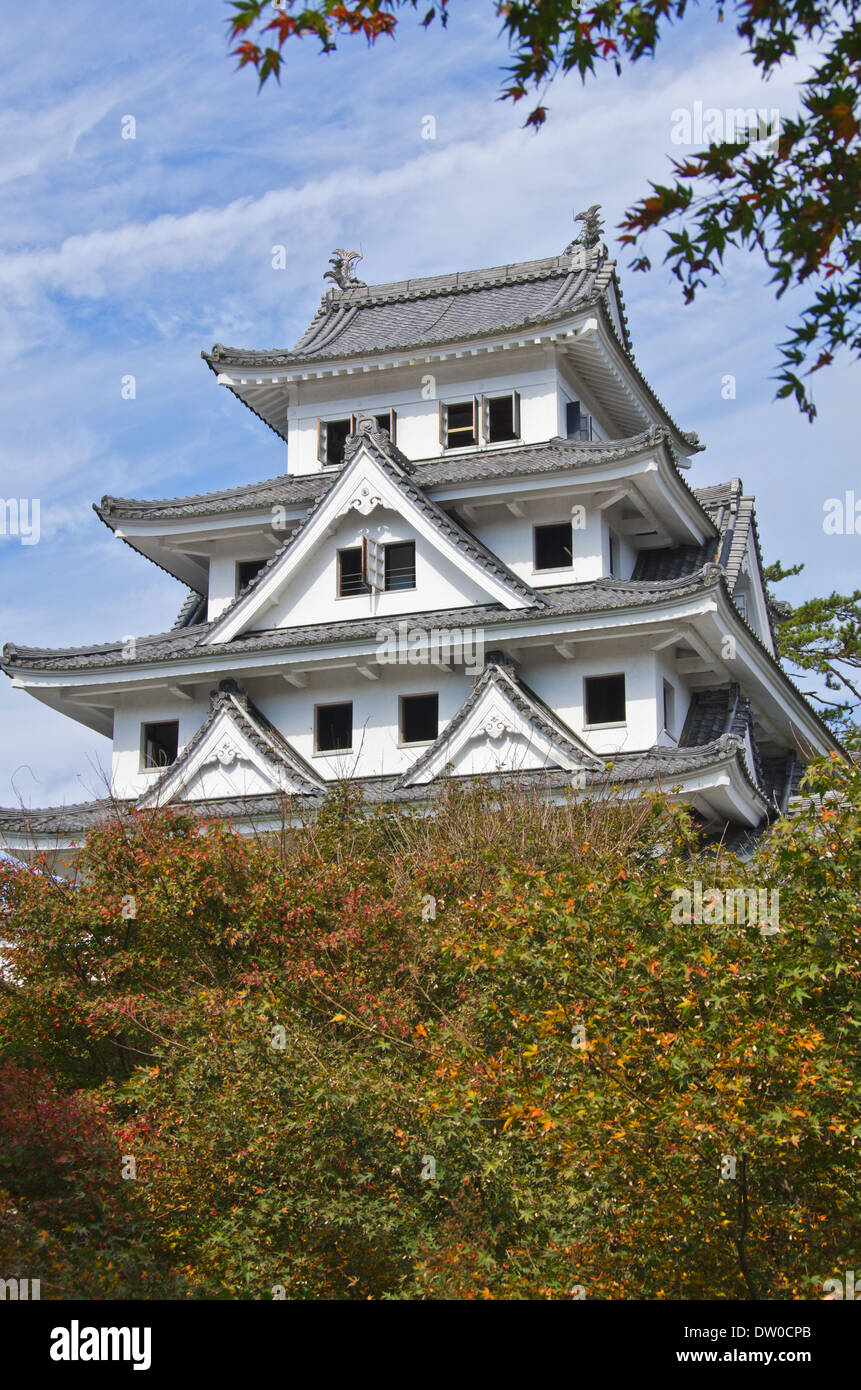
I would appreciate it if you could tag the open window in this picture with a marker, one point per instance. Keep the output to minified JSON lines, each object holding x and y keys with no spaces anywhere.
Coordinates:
{"x":419,"y":718}
{"x":458,"y":423}
{"x":553,"y":546}
{"x":246,"y":570}
{"x":160,"y":743}
{"x":501,"y":417}
{"x":578,"y":425}
{"x":387,"y":424}
{"x":331,"y":438}
{"x":400,"y":566}
{"x":352,"y":572}
{"x":333,"y":727}
{"x":605,"y":699}
{"x":332,"y":435}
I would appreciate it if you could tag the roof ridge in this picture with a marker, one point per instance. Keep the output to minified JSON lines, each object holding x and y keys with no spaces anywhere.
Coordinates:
{"x":109,"y":502}
{"x":13,"y":653}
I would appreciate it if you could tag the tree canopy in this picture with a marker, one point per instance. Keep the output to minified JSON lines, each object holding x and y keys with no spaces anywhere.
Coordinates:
{"x":480,"y":1055}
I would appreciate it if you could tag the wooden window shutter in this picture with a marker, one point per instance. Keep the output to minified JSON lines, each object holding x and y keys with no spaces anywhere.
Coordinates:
{"x":443,"y":425}
{"x":476,"y":419}
{"x":372,"y":563}
{"x":393,"y":425}
{"x":485,"y":421}
{"x":321,"y":440}
{"x":515,"y":413}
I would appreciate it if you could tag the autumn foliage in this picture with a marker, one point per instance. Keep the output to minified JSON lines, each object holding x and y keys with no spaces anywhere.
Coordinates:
{"x":462,"y":1056}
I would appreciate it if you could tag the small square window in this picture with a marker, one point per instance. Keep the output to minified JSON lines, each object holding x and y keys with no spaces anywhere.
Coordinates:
{"x":578,"y":425}
{"x":246,"y":570}
{"x":419,"y":718}
{"x":605,"y":699}
{"x":553,"y":546}
{"x":351,"y":579}
{"x":334,"y":727}
{"x":400,"y":566}
{"x":459,"y":424}
{"x":331,"y":438}
{"x":502,"y":417}
{"x":160,"y":743}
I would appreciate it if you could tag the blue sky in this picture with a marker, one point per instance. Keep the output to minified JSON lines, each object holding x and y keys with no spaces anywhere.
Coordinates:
{"x":128,"y":256}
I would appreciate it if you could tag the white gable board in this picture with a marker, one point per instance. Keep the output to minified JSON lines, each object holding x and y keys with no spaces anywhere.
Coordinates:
{"x":365,"y":490}
{"x":225,"y":762}
{"x":498,"y":734}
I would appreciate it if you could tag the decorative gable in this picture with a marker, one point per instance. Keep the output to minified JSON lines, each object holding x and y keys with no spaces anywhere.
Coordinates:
{"x":374,"y":478}
{"x":236,"y":753}
{"x":502,"y":727}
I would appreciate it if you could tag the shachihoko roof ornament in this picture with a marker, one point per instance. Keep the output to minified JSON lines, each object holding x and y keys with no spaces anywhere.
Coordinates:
{"x":590,"y":232}
{"x":342,"y":263}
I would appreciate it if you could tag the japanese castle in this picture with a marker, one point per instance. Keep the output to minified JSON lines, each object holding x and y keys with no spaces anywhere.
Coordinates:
{"x":479,"y":555}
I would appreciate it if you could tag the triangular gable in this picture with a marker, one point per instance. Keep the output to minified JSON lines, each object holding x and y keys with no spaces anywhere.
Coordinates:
{"x":374,"y":476}
{"x":501,"y":727}
{"x":235,"y":753}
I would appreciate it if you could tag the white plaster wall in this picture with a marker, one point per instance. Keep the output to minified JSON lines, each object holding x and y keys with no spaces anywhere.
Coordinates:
{"x":665,"y":670}
{"x":222,"y":571}
{"x":311,"y":596}
{"x":132,"y":712}
{"x":376,"y":749}
{"x":560,"y":684}
{"x":312,"y":593}
{"x":415,"y":395}
{"x":511,"y":539}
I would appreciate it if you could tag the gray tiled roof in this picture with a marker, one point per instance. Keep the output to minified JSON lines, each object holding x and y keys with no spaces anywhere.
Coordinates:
{"x":192,"y":611}
{"x":652,"y":765}
{"x":363,"y":319}
{"x":674,"y":562}
{"x":557,"y":455}
{"x":594,"y":596}
{"x":280,"y":491}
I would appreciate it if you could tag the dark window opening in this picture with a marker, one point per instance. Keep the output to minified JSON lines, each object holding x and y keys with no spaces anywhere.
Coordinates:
{"x":502,"y":418}
{"x":400,"y":566}
{"x":578,"y":425}
{"x":459,"y":424}
{"x":246,"y":570}
{"x":614,"y":555}
{"x":351,"y":579}
{"x":332,"y":438}
{"x":669,"y":708}
{"x":553,"y":546}
{"x":334,"y":727}
{"x":419,"y":718}
{"x":605,"y":699}
{"x":161,"y":743}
